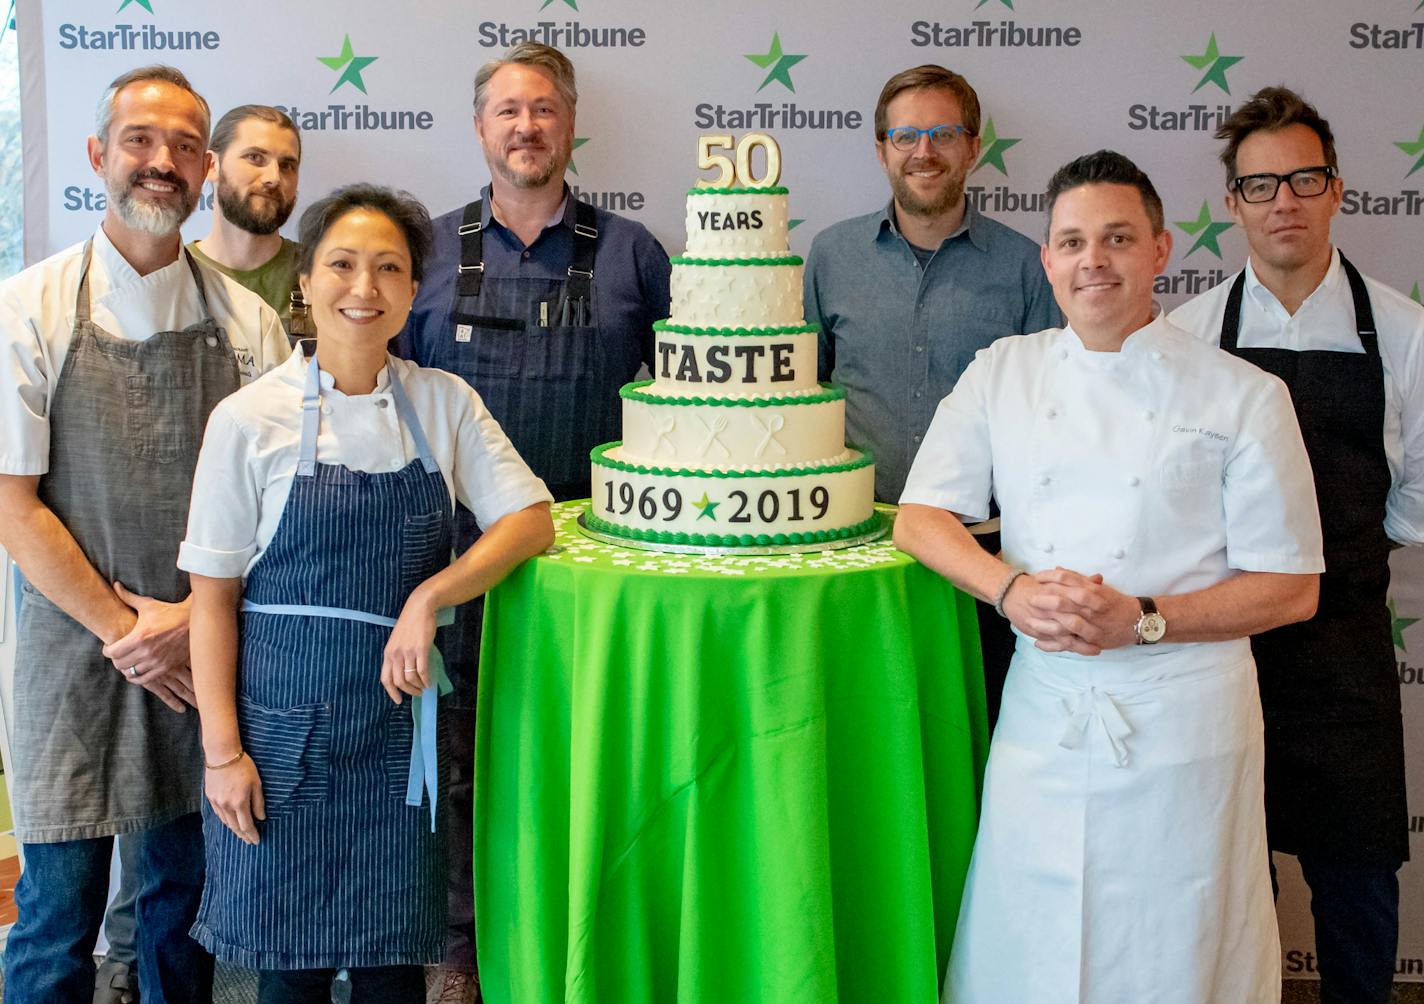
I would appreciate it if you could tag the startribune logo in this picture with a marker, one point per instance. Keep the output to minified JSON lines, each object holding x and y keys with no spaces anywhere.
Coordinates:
{"x":980,"y":33}
{"x":777,"y":64}
{"x":774,"y":67}
{"x":617,"y":202}
{"x":135,"y":38}
{"x":1206,"y":231}
{"x":1194,"y":116}
{"x":561,"y":34}
{"x":1414,"y":148}
{"x":1000,"y":198}
{"x":992,"y":148}
{"x":1365,"y":35}
{"x":350,"y":69}
{"x":1407,"y":202}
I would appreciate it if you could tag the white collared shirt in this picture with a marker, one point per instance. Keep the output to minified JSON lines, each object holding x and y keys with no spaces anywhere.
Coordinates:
{"x":1326,"y":321}
{"x":250,"y":452}
{"x":37,"y":323}
{"x":1163,"y":466}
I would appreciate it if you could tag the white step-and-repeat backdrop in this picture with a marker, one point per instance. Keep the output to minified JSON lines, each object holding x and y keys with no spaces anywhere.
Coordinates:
{"x":382,"y":92}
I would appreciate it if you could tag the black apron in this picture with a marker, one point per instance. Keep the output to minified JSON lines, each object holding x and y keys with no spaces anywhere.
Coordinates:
{"x":528,"y":345}
{"x":1329,"y":686}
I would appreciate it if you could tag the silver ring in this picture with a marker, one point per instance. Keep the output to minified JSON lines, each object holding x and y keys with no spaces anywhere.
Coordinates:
{"x":410,"y":671}
{"x":132,"y":671}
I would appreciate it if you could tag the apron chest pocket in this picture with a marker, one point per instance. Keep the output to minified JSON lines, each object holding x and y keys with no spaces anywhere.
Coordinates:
{"x":421,"y":536}
{"x":159,"y":423}
{"x":481,"y":346}
{"x":292,"y":750}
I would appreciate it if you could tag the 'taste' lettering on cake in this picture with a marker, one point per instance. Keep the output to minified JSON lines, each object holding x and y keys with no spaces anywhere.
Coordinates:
{"x":734,"y":443}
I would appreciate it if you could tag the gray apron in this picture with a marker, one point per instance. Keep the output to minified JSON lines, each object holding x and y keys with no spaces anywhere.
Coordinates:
{"x":94,"y":754}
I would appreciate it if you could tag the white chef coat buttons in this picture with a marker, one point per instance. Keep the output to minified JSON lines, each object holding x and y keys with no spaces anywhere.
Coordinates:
{"x":1149,"y":414}
{"x":1157,"y":356}
{"x":1132,"y":481}
{"x":396,"y":465}
{"x":1062,"y":353}
{"x":1044,"y":479}
{"x":1047,"y":547}
{"x":1051,"y":413}
{"x":326,"y":409}
{"x":381,"y":402}
{"x":1119,"y":553}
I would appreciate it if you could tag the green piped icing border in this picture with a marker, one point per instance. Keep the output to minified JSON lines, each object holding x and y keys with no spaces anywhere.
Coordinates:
{"x":687,"y":329}
{"x":741,"y":190}
{"x":730,"y":540}
{"x":635,"y":392}
{"x":787,"y":260}
{"x":599,"y":456}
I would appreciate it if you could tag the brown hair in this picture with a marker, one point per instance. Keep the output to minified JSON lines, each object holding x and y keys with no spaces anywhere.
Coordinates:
{"x":1272,"y":109}
{"x":227,"y":125}
{"x":934,"y":77}
{"x":541,"y":57}
{"x":104,"y":116}
{"x":1107,"y":167}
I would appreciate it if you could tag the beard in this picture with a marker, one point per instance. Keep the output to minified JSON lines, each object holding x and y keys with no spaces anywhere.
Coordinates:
{"x":934,"y":204}
{"x":253,"y":213}
{"x":535,"y":175}
{"x":156,"y":218}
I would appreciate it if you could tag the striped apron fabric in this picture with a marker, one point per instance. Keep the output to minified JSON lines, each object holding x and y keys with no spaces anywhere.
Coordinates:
{"x":350,"y":868}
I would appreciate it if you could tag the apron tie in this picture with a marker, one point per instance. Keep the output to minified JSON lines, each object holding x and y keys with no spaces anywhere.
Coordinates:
{"x":424,"y":774}
{"x":1096,"y":705}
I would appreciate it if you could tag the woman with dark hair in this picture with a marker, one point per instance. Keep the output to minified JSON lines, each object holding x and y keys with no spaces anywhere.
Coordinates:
{"x":319,"y":550}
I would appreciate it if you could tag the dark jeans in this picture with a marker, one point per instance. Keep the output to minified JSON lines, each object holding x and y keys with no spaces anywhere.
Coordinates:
{"x":61,"y":897}
{"x":376,"y":985}
{"x":1356,"y":911}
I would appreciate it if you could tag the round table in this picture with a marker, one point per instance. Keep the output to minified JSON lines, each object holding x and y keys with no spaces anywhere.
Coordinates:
{"x":723,"y":778}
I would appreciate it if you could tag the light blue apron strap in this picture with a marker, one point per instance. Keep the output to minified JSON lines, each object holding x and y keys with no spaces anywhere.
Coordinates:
{"x":407,"y":414}
{"x":311,"y":419}
{"x":424,"y":775}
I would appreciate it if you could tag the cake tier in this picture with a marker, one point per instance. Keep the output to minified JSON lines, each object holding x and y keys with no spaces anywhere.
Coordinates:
{"x":736,"y":222}
{"x":722,"y":433}
{"x":704,"y":361}
{"x":799,"y":505}
{"x":737,"y":293}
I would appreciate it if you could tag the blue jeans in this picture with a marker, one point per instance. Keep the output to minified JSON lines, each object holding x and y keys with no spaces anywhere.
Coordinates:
{"x":63,"y":887}
{"x":1356,"y":910}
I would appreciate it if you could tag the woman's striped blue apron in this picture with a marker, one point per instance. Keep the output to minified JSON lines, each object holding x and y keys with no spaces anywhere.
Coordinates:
{"x":350,"y":870}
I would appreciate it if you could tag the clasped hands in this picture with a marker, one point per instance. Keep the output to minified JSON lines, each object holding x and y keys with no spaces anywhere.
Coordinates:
{"x":153,"y":652}
{"x":1066,"y":611}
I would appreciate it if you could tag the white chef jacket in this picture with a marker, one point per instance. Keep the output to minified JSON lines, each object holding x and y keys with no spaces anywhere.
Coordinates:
{"x":37,"y":323}
{"x":250,"y":453}
{"x":1196,"y":465}
{"x":1326,"y":321}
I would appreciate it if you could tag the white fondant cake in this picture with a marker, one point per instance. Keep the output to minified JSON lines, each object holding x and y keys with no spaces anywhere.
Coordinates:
{"x":734,"y":442}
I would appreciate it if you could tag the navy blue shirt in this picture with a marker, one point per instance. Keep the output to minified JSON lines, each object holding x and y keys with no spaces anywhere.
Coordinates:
{"x":550,"y":378}
{"x":897,"y":334}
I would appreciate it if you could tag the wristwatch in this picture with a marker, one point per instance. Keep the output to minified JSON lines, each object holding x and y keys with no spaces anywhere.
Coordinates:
{"x":1151,"y":626}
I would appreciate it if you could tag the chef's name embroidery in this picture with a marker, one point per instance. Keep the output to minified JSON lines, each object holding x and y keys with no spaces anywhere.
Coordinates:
{"x":1198,"y":431}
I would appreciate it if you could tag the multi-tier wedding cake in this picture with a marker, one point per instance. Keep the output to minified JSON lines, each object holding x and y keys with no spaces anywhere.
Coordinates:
{"x":734,"y":443}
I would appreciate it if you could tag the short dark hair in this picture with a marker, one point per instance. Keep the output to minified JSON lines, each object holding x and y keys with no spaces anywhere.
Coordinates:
{"x":1106,"y":167}
{"x":1272,"y":109}
{"x":226,"y":126}
{"x":930,"y":76}
{"x":158,"y":72}
{"x":401,"y":208}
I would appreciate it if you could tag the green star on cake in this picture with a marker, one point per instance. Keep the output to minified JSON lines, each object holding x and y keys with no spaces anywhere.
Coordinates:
{"x":707,"y":507}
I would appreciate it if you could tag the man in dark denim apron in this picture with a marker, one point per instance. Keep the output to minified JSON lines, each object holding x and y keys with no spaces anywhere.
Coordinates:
{"x":101,"y":664}
{"x":545,"y":304}
{"x":1343,"y":344}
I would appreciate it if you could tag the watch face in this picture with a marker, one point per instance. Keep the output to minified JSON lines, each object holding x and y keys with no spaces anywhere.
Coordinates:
{"x":1152,"y":627}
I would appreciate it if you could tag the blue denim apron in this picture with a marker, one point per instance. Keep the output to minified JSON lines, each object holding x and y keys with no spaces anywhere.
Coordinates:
{"x":350,"y":870}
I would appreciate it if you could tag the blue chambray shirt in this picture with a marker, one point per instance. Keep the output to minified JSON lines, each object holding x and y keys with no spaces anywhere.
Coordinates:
{"x":898,"y":336}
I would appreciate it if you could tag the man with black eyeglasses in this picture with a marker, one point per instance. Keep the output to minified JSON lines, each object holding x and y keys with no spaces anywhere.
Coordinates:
{"x":906,"y":295}
{"x":1351,"y":351}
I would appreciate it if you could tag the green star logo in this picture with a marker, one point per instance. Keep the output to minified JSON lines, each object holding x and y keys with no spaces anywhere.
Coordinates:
{"x":145,"y":4}
{"x":992,"y":147}
{"x":1206,"y":231}
{"x":1397,"y":624}
{"x":793,"y":224}
{"x":1414,"y":294}
{"x":707,"y":508}
{"x":1215,"y":65}
{"x":353,"y":64}
{"x":1010,"y":3}
{"x":571,"y":3}
{"x":578,"y":142}
{"x":1414,"y":148}
{"x":776,"y":63}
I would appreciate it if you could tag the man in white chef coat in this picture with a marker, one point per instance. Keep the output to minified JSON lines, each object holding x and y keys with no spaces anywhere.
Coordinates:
{"x":1157,"y":508}
{"x":1351,"y":350}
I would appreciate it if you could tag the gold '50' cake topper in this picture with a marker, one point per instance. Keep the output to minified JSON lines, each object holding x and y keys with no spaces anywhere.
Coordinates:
{"x":739,"y":174}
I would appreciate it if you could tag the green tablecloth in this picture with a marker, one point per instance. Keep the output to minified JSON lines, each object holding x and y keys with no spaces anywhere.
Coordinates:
{"x":720,"y":779}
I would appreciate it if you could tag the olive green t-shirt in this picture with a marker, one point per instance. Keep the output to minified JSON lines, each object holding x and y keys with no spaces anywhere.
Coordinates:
{"x":272,"y":281}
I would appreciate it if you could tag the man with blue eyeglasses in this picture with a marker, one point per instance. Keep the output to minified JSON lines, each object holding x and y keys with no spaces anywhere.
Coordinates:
{"x":1351,"y":350}
{"x":906,"y":295}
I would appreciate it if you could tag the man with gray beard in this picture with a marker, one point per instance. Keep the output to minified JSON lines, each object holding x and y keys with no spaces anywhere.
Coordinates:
{"x":906,"y":295}
{"x":112,"y":354}
{"x":257,"y":154}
